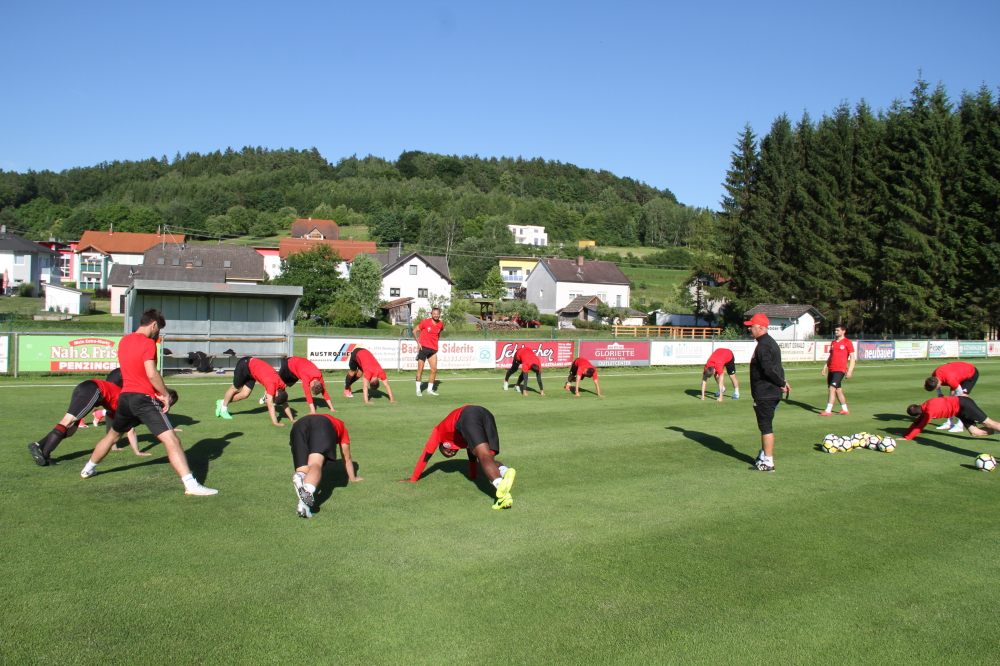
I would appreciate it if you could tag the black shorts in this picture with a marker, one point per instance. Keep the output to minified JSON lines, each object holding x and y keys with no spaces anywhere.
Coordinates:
{"x":138,"y":408}
{"x":242,"y":376}
{"x":835,"y":378}
{"x":969,"y":412}
{"x":352,"y":362}
{"x":85,"y":396}
{"x":313,"y":433}
{"x":286,"y":374}
{"x":115,"y":377}
{"x":969,"y":383}
{"x":477,"y":426}
{"x":425,"y":353}
{"x":731,"y":367}
{"x":764,"y":409}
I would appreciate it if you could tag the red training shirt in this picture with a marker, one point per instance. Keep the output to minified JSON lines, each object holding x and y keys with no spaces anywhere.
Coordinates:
{"x":430,"y":330}
{"x":266,"y":375}
{"x":527,"y":359}
{"x":109,"y":396}
{"x":839,"y":351}
{"x":370,"y":367}
{"x":443,"y":433}
{"x":307,"y":372}
{"x":133,"y":352}
{"x":718,"y":360}
{"x":580,"y":367}
{"x":338,"y":425}
{"x":953,"y":374}
{"x":935,"y":408}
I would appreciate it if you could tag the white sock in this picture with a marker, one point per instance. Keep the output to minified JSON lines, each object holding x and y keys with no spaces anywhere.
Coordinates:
{"x":496,"y":482}
{"x":224,"y":408}
{"x":418,"y":383}
{"x":89,"y":467}
{"x":829,"y":407}
{"x":309,"y":487}
{"x":843,"y":406}
{"x":189,"y":481}
{"x":503,"y":469}
{"x":768,"y":460}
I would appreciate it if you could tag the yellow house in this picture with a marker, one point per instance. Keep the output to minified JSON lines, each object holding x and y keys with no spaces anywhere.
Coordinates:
{"x":586,"y":243}
{"x":515,"y":271}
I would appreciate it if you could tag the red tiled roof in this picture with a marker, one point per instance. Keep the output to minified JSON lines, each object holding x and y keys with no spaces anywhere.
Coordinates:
{"x":123,"y":241}
{"x":346,"y":249}
{"x":328,"y":228}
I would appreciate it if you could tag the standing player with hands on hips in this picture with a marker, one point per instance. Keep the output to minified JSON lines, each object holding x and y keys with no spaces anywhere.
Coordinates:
{"x":144,"y":400}
{"x":767,"y":383}
{"x":426,"y":334}
{"x":837,"y":369}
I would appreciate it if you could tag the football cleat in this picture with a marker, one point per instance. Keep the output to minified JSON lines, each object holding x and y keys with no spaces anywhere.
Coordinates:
{"x":944,"y":426}
{"x":761,"y":466}
{"x":84,"y":474}
{"x":567,"y":387}
{"x":348,"y":394}
{"x":430,"y":391}
{"x":826,"y":413}
{"x":305,"y":497}
{"x":262,"y":401}
{"x":419,"y":394}
{"x":36,"y":453}
{"x":303,"y":511}
{"x":843,"y":412}
{"x":505,"y":387}
{"x":506,"y":482}
{"x":736,"y":397}
{"x":957,"y":428}
{"x":200,"y":490}
{"x":504,"y":502}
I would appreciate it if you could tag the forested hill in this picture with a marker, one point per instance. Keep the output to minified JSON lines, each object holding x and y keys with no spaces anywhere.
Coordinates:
{"x":420,"y":197}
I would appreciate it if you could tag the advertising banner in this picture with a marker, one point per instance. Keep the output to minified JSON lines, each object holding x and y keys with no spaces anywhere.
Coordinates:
{"x":798,"y":350}
{"x":993,"y":348}
{"x":67,"y":353}
{"x":335,"y":353}
{"x":611,"y":354}
{"x":742,"y":349}
{"x":677,"y":352}
{"x":972,"y":349}
{"x":552,"y":353}
{"x":942,"y":349}
{"x":4,"y":352}
{"x":884,"y":350}
{"x":452,"y":354}
{"x":911,"y":349}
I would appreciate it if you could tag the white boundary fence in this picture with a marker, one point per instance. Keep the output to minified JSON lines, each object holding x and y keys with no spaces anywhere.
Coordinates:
{"x":333,"y":353}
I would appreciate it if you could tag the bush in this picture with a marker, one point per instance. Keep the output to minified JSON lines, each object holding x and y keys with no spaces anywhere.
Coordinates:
{"x":590,"y":325}
{"x":548,"y":320}
{"x":26,"y":290}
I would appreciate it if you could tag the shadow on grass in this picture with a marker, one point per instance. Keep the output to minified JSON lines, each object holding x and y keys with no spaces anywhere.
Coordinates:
{"x":461,"y":466}
{"x":181,"y":420}
{"x":924,"y":441}
{"x":695,"y":393}
{"x":801,"y":405}
{"x":334,"y":476}
{"x":198,"y":456}
{"x":892,"y":417}
{"x":712,"y":443}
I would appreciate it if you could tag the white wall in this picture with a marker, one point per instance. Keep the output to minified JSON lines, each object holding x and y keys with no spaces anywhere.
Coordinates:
{"x":529,"y":234}
{"x":608,"y":293}
{"x":783,"y":328}
{"x":410,"y":285}
{"x":61,"y":299}
{"x":540,"y":288}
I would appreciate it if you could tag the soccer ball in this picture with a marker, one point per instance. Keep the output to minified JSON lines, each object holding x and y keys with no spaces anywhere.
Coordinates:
{"x":888,"y":445}
{"x":843,"y":444}
{"x":986,"y":462}
{"x":872,"y":442}
{"x":829,"y":446}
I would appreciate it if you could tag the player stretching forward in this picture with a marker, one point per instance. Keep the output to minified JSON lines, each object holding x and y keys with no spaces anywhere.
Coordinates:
{"x":429,"y":330}
{"x":720,"y":358}
{"x":295,"y":368}
{"x":364,"y":365}
{"x":581,"y":367}
{"x":474,"y":429}
{"x":525,"y":359}
{"x":139,"y":402}
{"x":837,"y":368}
{"x":960,"y":407}
{"x":314,"y":439}
{"x":960,"y":378}
{"x":247,"y":373}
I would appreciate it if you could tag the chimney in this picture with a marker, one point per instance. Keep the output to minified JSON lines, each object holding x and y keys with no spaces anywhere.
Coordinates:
{"x":157,"y":230}
{"x":350,"y":239}
{"x":579,"y":261}
{"x":111,"y":229}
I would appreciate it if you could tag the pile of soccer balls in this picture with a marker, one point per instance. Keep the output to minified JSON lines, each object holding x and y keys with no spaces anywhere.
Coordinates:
{"x":862,"y":440}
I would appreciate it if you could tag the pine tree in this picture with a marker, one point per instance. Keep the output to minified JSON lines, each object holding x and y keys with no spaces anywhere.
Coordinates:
{"x":494,"y":288}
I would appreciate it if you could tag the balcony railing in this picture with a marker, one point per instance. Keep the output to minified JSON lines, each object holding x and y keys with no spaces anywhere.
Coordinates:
{"x":513,"y":278}
{"x":91,"y":268}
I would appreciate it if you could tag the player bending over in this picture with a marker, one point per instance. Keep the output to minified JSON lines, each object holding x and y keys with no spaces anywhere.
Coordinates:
{"x":837,"y":369}
{"x":525,"y":359}
{"x":426,"y":334}
{"x":140,"y":401}
{"x":247,"y":373}
{"x":474,"y":429}
{"x":363,"y":365}
{"x":960,"y":378}
{"x":720,"y":358}
{"x":960,"y":407}
{"x":314,"y":439}
{"x":581,"y":367}
{"x":295,"y":368}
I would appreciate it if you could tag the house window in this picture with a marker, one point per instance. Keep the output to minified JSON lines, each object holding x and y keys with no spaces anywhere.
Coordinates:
{"x":64,"y":264}
{"x":421,"y":293}
{"x":160,"y":261}
{"x":603,"y":297}
{"x":394,"y":291}
{"x":619,"y":300}
{"x":541,"y":293}
{"x":19,"y":260}
{"x":227,"y":264}
{"x":413,"y":271}
{"x":176,"y":262}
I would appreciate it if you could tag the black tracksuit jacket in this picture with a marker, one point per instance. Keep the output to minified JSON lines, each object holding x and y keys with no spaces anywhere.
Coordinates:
{"x":767,"y":377}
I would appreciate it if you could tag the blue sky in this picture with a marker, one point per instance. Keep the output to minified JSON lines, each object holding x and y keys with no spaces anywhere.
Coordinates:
{"x":655,"y":91}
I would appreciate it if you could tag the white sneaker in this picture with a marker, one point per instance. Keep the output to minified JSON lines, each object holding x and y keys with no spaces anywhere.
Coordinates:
{"x":303,"y":511}
{"x":944,"y":426}
{"x":419,"y":394}
{"x":200,"y":490}
{"x":957,"y":428}
{"x":430,"y":391}
{"x":84,"y":474}
{"x":262,"y":401}
{"x":505,"y":387}
{"x":305,"y":497}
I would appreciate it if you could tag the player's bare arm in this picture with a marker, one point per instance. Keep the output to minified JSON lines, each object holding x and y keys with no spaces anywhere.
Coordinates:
{"x":345,"y":452}
{"x":162,"y":394}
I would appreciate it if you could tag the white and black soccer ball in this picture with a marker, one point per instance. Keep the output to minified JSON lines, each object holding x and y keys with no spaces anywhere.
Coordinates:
{"x":872,"y":442}
{"x":888,"y":445}
{"x":843,"y":444}
{"x":829,"y":446}
{"x":986,"y":462}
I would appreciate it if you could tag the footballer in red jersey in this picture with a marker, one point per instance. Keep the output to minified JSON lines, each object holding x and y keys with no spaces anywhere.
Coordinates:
{"x":960,"y":378}
{"x":296,"y":368}
{"x":526,"y":360}
{"x":145,"y":399}
{"x":581,"y":367}
{"x":839,"y":366}
{"x":426,"y":333}
{"x":952,"y":407}
{"x":314,"y":440}
{"x":246,"y":374}
{"x":364,"y":366}
{"x":720,"y":358}
{"x":474,"y":429}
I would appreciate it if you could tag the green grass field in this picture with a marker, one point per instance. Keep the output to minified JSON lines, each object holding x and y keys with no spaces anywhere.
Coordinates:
{"x":637,"y":535}
{"x":657,"y":284}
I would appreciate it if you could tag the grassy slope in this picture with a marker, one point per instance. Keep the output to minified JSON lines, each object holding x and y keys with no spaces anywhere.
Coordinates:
{"x":637,"y":536}
{"x":661,"y":285}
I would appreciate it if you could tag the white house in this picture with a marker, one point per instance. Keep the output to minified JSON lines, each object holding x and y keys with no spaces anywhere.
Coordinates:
{"x":789,"y":321}
{"x":554,"y":283}
{"x":65,"y":299}
{"x":24,"y":261}
{"x":415,"y":276}
{"x":97,"y":251}
{"x":529,"y":234}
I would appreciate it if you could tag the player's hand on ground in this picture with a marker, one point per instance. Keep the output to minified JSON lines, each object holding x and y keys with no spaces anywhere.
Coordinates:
{"x":719,"y":399}
{"x":356,"y":479}
{"x":394,"y":401}
{"x":279,"y":424}
{"x":143,"y":454}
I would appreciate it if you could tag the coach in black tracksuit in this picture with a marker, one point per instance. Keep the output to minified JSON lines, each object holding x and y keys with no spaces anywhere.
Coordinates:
{"x":767,"y":383}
